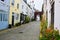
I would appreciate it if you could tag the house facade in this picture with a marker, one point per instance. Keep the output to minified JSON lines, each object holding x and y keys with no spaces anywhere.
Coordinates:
{"x":26,"y":10}
{"x":4,"y":13}
{"x":14,"y":15}
{"x":13,"y":12}
{"x":53,"y":12}
{"x":49,"y":11}
{"x":32,"y":5}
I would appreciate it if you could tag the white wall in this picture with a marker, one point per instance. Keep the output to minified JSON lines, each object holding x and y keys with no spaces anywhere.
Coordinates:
{"x":57,"y":15}
{"x":24,"y":7}
{"x":4,"y":10}
{"x":32,"y":5}
{"x":4,"y":5}
{"x":27,"y":9}
{"x":49,"y":13}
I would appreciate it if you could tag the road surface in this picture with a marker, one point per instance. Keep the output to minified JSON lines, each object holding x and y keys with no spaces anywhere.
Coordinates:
{"x":29,"y":31}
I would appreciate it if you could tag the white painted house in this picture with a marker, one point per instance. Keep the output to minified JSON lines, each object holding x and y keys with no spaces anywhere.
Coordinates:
{"x":49,"y":11}
{"x":4,"y":13}
{"x":53,"y":10}
{"x":32,"y":5}
{"x":26,"y":10}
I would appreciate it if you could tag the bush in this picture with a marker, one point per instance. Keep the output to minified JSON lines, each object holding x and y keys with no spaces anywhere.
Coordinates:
{"x":40,"y":17}
{"x":50,"y":34}
{"x":32,"y":19}
{"x":17,"y":24}
{"x":27,"y":19}
{"x":43,"y":26}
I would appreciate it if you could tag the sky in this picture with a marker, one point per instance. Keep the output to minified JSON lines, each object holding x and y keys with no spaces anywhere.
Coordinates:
{"x":38,"y":4}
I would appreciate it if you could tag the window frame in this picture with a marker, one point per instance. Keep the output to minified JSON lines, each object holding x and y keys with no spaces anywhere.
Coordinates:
{"x":18,"y":6}
{"x":1,"y":16}
{"x":5,"y":17}
{"x":12,"y":2}
{"x":2,"y":0}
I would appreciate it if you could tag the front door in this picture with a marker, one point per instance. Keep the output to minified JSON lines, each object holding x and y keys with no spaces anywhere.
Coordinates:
{"x":12,"y":20}
{"x":52,"y":15}
{"x":3,"y":20}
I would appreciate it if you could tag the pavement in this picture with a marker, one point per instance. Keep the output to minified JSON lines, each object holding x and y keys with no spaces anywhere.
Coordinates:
{"x":29,"y":31}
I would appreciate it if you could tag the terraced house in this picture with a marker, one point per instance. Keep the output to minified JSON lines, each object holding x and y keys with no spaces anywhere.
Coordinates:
{"x":14,"y":12}
{"x":26,"y":11}
{"x":53,"y":13}
{"x":4,"y":13}
{"x":14,"y":15}
{"x":49,"y":11}
{"x":32,"y":5}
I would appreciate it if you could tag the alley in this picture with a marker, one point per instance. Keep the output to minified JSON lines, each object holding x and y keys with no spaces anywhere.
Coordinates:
{"x":29,"y":31}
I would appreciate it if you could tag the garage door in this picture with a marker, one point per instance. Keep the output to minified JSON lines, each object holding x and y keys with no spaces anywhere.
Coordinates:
{"x":3,"y":20}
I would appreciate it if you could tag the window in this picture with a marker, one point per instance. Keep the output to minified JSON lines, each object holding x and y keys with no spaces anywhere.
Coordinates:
{"x":0,"y":17}
{"x":12,"y":13}
{"x":25,"y":1}
{"x":17,"y":6}
{"x":17,"y":17}
{"x":2,"y":0}
{"x":22,"y":6}
{"x":12,"y":2}
{"x":22,"y":17}
{"x":5,"y":17}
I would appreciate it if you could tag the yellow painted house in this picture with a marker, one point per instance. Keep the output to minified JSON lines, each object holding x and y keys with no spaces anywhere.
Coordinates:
{"x":14,"y":15}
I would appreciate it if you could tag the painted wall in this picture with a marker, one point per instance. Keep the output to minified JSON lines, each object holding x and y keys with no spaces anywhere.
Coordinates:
{"x":32,"y":5}
{"x":57,"y":15}
{"x":4,"y":5}
{"x":13,"y":8}
{"x":49,"y":13}
{"x":44,"y":9}
{"x":26,"y":9}
{"x":4,"y":13}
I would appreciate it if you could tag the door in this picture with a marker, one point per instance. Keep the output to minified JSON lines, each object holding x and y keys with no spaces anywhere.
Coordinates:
{"x":22,"y":18}
{"x":12,"y":20}
{"x":3,"y":20}
{"x":52,"y":14}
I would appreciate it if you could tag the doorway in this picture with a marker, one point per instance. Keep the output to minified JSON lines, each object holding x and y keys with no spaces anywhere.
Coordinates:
{"x":52,"y":14}
{"x":13,"y":19}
